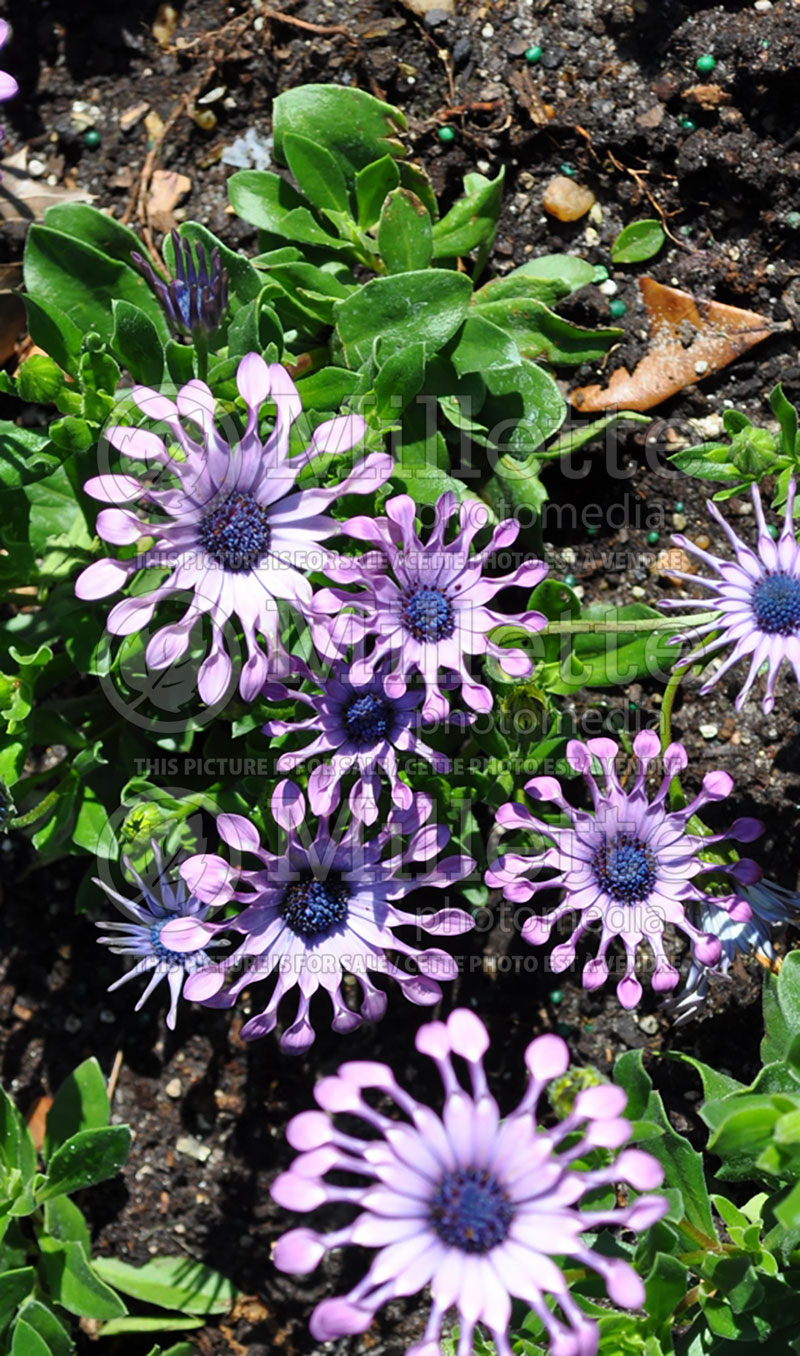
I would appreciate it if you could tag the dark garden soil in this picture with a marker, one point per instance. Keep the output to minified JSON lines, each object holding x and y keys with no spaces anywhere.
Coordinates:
{"x":606,"y":99}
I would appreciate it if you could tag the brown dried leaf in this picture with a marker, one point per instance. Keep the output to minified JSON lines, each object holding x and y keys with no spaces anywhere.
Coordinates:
{"x":25,"y":199}
{"x":707,"y":96}
{"x":684,"y":334}
{"x":167,"y":187}
{"x":36,"y":1120}
{"x":164,"y":25}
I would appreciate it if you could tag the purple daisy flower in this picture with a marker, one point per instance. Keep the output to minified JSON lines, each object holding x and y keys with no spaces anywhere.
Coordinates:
{"x":770,"y":906}
{"x":361,"y":728}
{"x":629,"y":865}
{"x":231,"y":529}
{"x":8,"y":85}
{"x":321,"y":907}
{"x":424,"y":605}
{"x":758,"y":597}
{"x":142,"y":936}
{"x":472,"y":1205}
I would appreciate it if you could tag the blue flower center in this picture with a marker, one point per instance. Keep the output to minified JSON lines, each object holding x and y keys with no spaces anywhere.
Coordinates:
{"x":188,"y":961}
{"x":625,"y":868}
{"x":428,"y":614}
{"x":776,"y":604}
{"x":235,"y":532}
{"x":471,"y":1211}
{"x":311,"y":906}
{"x":367,"y":719}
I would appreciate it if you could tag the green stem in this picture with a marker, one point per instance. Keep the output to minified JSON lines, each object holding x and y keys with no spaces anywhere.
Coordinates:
{"x":46,"y":803}
{"x":201,"y":352}
{"x":582,"y":626}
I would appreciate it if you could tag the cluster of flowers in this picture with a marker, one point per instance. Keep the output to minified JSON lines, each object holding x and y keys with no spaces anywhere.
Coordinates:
{"x":470,"y":1205}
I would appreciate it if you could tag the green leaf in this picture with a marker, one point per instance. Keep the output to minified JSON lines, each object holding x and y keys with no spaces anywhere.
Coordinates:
{"x":267,"y":201}
{"x":81,"y":1103}
{"x":171,"y":1283}
{"x":638,"y":241}
{"x":373,"y":183}
{"x":682,"y":1164}
{"x":781,"y":1010}
{"x":64,"y":272}
{"x":471,"y":221}
{"x":786,"y":415}
{"x":72,"y":435}
{"x":353,"y":126}
{"x":399,"y":380}
{"x":39,"y":380}
{"x":547,"y":279}
{"x":15,"y":1286}
{"x":426,"y":306}
{"x":137,"y":343}
{"x":52,"y":330}
{"x":423,"y":462}
{"x":527,"y":408}
{"x":149,"y":1323}
{"x":92,"y":227}
{"x":317,"y":173}
{"x":85,"y":1158}
{"x":56,"y":517}
{"x":16,"y":1145}
{"x":481,"y":346}
{"x":405,"y":235}
{"x":25,"y":456}
{"x":665,"y":1287}
{"x":28,"y":1342}
{"x":539,"y":332}
{"x":65,"y":1222}
{"x":48,"y":1326}
{"x":74,"y":1285}
{"x":615,"y":659}
{"x":327,"y":389}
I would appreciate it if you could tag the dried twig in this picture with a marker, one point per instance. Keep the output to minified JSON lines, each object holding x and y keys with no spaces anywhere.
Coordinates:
{"x":113,"y":1077}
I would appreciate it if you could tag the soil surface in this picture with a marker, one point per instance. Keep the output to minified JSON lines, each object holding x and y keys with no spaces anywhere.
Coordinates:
{"x":609,"y":101}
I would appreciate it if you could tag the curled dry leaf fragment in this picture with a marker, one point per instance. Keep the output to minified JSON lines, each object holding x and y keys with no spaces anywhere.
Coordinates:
{"x":707,"y":96}
{"x":688,"y":340}
{"x":164,"y":25}
{"x":167,"y":187}
{"x":566,"y":200}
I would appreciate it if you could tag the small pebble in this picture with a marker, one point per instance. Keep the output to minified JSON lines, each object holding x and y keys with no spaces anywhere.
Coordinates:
{"x":487,"y":31}
{"x":762,"y":6}
{"x":36,"y":168}
{"x":569,"y":170}
{"x":192,"y":1148}
{"x":653,"y":538}
{"x":701,"y":367}
{"x":637,"y":591}
{"x":565,"y":200}
{"x":533,"y":54}
{"x":592,"y":530}
{"x":556,"y":996}
{"x":570,"y":581}
{"x":617,"y":308}
{"x":600,"y":273}
{"x":709,"y":731}
{"x":702,"y":541}
{"x":591,"y":236}
{"x":792,"y":220}
{"x":773,"y":531}
{"x":706,"y":63}
{"x":173,"y":1088}
{"x":688,"y":124}
{"x":609,"y":287}
{"x":446,"y":135}
{"x":92,"y":138}
{"x":72,"y":1024}
{"x":648,"y":1024}
{"x":679,"y":521}
{"x":679,"y":506}
{"x":107,"y":1017}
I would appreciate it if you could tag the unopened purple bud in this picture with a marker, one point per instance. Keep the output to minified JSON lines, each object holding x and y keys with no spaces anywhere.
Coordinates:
{"x":197,"y":298}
